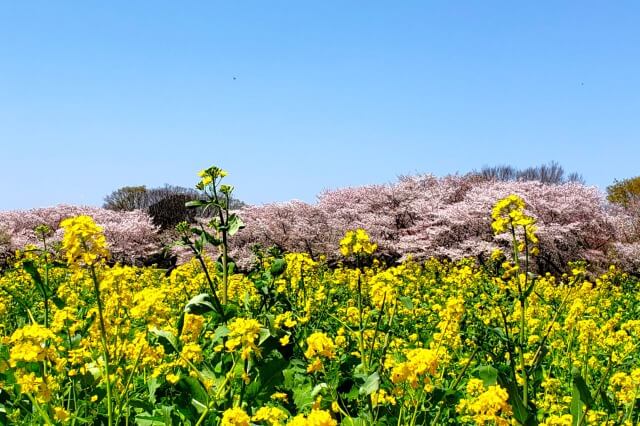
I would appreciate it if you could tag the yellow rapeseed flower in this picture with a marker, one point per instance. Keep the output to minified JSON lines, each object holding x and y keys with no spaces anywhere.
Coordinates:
{"x":243,"y":333}
{"x":319,"y":345}
{"x":235,"y":417}
{"x":83,"y":241}
{"x":272,"y":416}
{"x":357,"y":242}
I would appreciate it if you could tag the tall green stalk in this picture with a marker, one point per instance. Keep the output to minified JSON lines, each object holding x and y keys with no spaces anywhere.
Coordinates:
{"x":105,"y":347}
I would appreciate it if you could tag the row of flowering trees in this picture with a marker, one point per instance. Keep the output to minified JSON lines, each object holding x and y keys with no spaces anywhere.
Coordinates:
{"x":424,"y":216}
{"x":132,"y":235}
{"x":419,"y":216}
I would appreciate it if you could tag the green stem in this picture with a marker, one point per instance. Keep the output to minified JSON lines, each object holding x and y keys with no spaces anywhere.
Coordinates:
{"x":223,"y":226}
{"x":214,"y":294}
{"x":202,"y":417}
{"x":455,"y":384}
{"x":375,"y":333}
{"x":525,"y":384}
{"x":105,"y":347}
{"x":225,"y":268}
{"x":42,"y":412}
{"x":360,"y":327}
{"x":126,"y":386}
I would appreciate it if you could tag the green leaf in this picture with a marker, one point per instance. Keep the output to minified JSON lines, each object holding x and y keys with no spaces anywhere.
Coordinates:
{"x":198,"y":244}
{"x":144,"y":405}
{"x":302,"y":397}
{"x":500,"y":333}
{"x":269,"y":378}
{"x":200,"y":407}
{"x":371,"y":384}
{"x":520,"y":412}
{"x":89,"y":320}
{"x":264,"y":335}
{"x":221,"y":331}
{"x":235,"y":224}
{"x":606,"y":401}
{"x":32,"y":270}
{"x":529,"y":289}
{"x":353,"y":421}
{"x":180,"y":323}
{"x":352,"y":395}
{"x":406,"y":302}
{"x":487,"y":374}
{"x":583,"y":389}
{"x":166,"y":339}
{"x":153,"y":384}
{"x":278,"y":267}
{"x":580,"y":397}
{"x":200,"y":304}
{"x":148,"y":420}
{"x":58,"y":302}
{"x":206,"y":236}
{"x":160,"y":416}
{"x":194,"y":388}
{"x":195,"y":203}
{"x":295,"y":375}
{"x":318,"y":388}
{"x":576,"y":407}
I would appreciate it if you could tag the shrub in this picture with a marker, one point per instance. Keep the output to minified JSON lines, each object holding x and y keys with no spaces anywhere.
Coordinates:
{"x":624,"y":192}
{"x":171,"y":210}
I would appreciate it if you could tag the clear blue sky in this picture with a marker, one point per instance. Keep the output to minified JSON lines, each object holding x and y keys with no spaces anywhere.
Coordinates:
{"x":294,"y":97}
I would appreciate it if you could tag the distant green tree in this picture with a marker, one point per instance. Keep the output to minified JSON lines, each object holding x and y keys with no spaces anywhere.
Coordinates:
{"x":127,"y":198}
{"x":625,"y":191}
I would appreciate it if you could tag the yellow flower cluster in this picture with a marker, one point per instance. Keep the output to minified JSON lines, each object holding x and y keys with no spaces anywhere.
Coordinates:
{"x":449,"y":325}
{"x":315,"y":418}
{"x":319,"y":346}
{"x":383,"y":288}
{"x":30,"y":344}
{"x":235,"y":417}
{"x":420,"y":364}
{"x":356,"y":243}
{"x":242,"y":288}
{"x":243,"y":332}
{"x":381,"y":397}
{"x":486,"y":406}
{"x":558,"y":420}
{"x":33,"y":385}
{"x":508,"y":215}
{"x":83,"y":241}
{"x":208,"y":176}
{"x":272,"y":416}
{"x":625,"y":387}
{"x":192,"y":327}
{"x":285,"y":320}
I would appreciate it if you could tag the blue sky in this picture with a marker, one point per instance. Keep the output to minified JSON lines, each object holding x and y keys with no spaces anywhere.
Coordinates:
{"x":295,"y":97}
